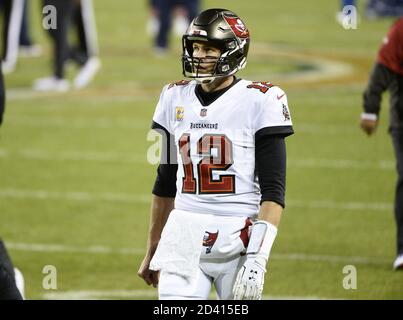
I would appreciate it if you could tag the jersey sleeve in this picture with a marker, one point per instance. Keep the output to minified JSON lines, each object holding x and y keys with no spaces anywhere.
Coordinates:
{"x":273,"y":115}
{"x":270,"y":164}
{"x":162,"y":113}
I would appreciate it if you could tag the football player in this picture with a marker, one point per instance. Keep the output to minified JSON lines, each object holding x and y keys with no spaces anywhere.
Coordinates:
{"x":78,"y":13}
{"x":387,"y":74}
{"x":11,"y":279}
{"x":219,"y":192}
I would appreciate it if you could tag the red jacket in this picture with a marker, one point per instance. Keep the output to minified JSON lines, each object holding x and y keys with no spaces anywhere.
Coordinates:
{"x":391,"y":51}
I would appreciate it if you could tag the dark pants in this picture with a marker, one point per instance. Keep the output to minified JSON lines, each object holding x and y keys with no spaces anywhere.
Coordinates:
{"x":8,"y":288}
{"x":397,"y":138}
{"x":64,"y":9}
{"x":68,"y":13}
{"x":79,"y":53}
{"x":2,"y":95}
{"x":386,"y":8}
{"x":165,"y":8}
{"x":25,"y":39}
{"x":6,"y":8}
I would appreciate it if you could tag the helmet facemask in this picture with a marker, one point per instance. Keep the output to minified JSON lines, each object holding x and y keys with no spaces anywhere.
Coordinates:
{"x":228,"y":63}
{"x":221,"y":29}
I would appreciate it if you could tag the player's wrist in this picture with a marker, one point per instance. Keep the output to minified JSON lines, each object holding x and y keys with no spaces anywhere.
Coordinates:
{"x":369,"y":116}
{"x":258,"y":259}
{"x":261,"y":241}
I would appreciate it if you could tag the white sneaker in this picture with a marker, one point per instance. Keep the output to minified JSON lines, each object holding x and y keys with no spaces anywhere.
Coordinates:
{"x":19,"y":281}
{"x":160,"y":52}
{"x":51,"y":84}
{"x":340,"y":17}
{"x":87,"y":72}
{"x":152,"y":26}
{"x":32,"y":51}
{"x":181,"y":23}
{"x":398,"y":264}
{"x":7,"y":66}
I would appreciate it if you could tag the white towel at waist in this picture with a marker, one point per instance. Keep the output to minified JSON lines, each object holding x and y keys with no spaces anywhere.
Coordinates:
{"x":180,"y":245}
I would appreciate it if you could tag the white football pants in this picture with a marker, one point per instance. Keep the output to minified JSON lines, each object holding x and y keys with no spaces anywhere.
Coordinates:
{"x":224,"y":244}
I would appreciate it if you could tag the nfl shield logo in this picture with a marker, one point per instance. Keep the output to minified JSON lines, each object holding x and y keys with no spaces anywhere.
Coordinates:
{"x":203,"y":112}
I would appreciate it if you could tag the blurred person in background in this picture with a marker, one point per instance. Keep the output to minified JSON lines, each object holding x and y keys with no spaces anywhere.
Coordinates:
{"x":16,"y":38}
{"x":11,"y":279}
{"x":374,"y":9}
{"x":27,"y":47}
{"x":387,"y":74}
{"x":13,"y":11}
{"x":384,"y":8}
{"x":164,"y":13}
{"x":80,"y":14}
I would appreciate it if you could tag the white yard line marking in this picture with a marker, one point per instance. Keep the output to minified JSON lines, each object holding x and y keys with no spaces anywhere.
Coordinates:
{"x":74,"y":196}
{"x":91,"y":98}
{"x":100,"y":156}
{"x":40,"y":247}
{"x":78,"y":123}
{"x":4,"y":153}
{"x":145,"y":198}
{"x":331,"y":259}
{"x":74,"y":155}
{"x":342,"y":164}
{"x":324,"y":67}
{"x":98,"y":294}
{"x":329,"y":204}
{"x":144,"y":124}
{"x":333,"y":129}
{"x":58,"y":248}
{"x":144,"y":294}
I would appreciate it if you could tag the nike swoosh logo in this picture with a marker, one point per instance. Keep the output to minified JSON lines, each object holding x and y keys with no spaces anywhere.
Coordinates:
{"x":279,"y":97}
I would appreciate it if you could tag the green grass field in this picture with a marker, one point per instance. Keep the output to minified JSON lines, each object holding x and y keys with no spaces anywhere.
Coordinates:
{"x":75,"y":186}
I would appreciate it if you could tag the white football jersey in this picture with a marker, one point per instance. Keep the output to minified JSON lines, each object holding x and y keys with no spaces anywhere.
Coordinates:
{"x":216,"y":143}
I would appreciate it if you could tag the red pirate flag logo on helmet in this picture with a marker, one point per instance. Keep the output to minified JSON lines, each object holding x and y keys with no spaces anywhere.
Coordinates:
{"x":237,"y":26}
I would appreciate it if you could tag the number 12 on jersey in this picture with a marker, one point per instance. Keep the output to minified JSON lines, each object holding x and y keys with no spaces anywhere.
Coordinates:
{"x":220,"y":160}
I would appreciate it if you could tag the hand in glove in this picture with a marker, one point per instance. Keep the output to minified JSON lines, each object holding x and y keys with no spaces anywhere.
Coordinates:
{"x":250,"y":280}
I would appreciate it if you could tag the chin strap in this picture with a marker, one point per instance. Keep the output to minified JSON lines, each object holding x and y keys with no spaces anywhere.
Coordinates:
{"x":205,"y":80}
{"x":260,"y":242}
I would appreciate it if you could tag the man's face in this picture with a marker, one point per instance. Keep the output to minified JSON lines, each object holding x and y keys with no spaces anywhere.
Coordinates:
{"x":209,"y":55}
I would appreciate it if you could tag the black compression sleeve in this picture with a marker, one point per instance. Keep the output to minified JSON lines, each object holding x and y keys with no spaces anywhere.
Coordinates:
{"x":165,"y":182}
{"x":270,"y":157}
{"x":379,"y":81}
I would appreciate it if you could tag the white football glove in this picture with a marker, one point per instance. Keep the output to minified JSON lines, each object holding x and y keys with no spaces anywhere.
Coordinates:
{"x":250,"y":280}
